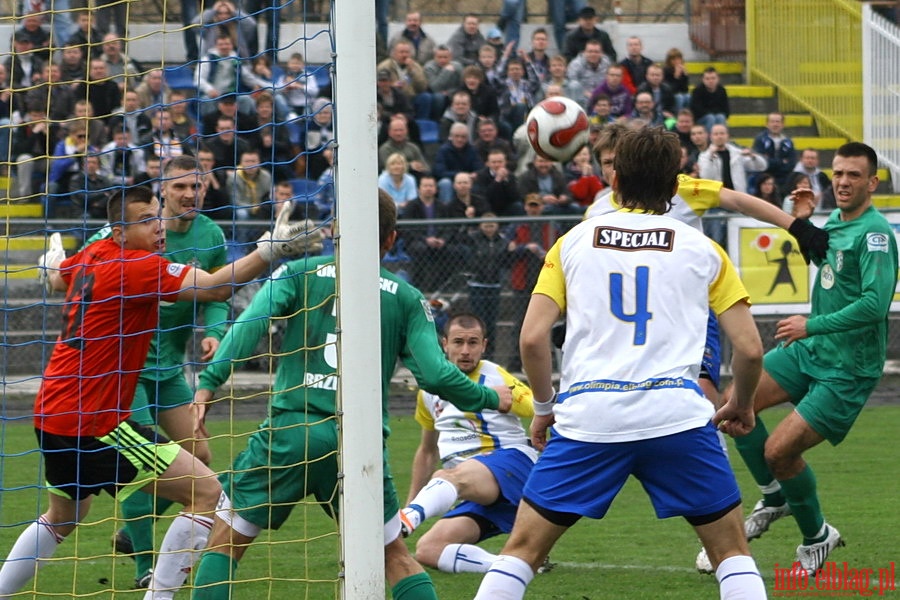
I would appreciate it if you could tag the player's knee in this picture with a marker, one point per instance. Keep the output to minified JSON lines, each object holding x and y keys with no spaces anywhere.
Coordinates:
{"x":428,"y":551}
{"x":206,"y":493}
{"x":781,"y":462}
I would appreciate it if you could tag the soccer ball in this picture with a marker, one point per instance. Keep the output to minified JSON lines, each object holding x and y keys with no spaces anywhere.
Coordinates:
{"x":557,"y":128}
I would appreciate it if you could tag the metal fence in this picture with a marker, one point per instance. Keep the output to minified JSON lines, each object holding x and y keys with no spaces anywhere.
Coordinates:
{"x":718,"y":27}
{"x":881,"y":89}
{"x":455,"y":263}
{"x":811,"y":50}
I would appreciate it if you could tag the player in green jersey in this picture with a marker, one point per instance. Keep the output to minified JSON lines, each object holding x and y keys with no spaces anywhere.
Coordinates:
{"x":294,"y":453}
{"x":828,"y":363}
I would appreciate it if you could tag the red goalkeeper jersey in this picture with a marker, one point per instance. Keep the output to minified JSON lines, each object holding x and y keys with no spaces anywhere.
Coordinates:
{"x":109,"y":319}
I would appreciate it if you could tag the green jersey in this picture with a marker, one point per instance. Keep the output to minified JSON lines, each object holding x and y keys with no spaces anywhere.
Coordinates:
{"x":302,"y":292}
{"x":852,"y":295}
{"x":202,"y":246}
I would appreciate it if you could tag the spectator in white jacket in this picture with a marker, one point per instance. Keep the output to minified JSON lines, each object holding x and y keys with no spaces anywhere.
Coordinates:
{"x":726,"y":162}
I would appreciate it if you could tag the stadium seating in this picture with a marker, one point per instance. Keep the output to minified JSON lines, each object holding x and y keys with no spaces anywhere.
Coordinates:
{"x":305,"y":190}
{"x":428,"y":131}
{"x":180,"y":77}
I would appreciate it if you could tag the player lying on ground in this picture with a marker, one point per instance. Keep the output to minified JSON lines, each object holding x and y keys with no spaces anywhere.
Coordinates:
{"x":486,"y":458}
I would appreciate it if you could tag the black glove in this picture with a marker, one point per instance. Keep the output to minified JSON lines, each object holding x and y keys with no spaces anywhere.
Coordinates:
{"x":813,"y":240}
{"x":558,"y":334}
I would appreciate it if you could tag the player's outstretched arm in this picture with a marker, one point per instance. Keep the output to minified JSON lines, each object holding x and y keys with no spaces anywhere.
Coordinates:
{"x":284,"y":241}
{"x":813,"y":241}
{"x":736,"y":417}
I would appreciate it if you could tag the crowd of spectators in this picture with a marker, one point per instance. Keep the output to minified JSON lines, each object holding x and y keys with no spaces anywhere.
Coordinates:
{"x":254,"y":124}
{"x":86,"y":118}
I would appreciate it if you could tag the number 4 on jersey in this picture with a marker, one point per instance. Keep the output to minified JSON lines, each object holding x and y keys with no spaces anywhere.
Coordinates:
{"x":641,"y":315}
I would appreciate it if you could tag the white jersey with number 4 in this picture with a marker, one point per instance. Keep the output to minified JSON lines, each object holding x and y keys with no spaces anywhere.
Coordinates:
{"x":636,"y":291}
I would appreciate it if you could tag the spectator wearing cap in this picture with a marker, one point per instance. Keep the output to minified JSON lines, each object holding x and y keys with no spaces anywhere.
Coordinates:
{"x":317,"y":136}
{"x":562,"y":12}
{"x":423,"y":45}
{"x":529,"y":243}
{"x":23,"y":65}
{"x":392,"y":99}
{"x":587,"y":30}
{"x":466,"y":41}
{"x":494,"y":38}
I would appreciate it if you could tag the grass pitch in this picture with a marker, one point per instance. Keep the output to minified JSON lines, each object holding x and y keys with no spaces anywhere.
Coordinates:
{"x":629,"y":554}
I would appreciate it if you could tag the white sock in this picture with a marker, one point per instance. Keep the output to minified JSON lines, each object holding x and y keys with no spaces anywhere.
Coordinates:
{"x":465,"y":558}
{"x":506,"y":580}
{"x":38,"y":541}
{"x":181,"y":547}
{"x":739,"y":579}
{"x":433,"y":500}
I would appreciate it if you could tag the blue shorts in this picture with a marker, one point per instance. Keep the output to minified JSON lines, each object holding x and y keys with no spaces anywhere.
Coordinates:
{"x":685,"y":474}
{"x":510,"y":467}
{"x":711,"y":365}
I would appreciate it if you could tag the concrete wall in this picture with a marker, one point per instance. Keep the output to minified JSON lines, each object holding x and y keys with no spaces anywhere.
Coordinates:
{"x":157,"y":42}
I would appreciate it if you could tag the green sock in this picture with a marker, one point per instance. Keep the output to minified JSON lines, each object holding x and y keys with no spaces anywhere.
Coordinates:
{"x":414,"y":587}
{"x":212,"y":577}
{"x":752,"y":448}
{"x":138,"y":512}
{"x":801,"y":495}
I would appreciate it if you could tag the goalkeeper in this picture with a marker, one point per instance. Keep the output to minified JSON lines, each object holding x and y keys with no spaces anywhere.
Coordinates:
{"x":163,"y":396}
{"x":81,"y":413}
{"x":294,"y":453}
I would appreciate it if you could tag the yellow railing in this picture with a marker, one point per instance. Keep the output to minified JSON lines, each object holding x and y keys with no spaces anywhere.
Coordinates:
{"x":812,"y":51}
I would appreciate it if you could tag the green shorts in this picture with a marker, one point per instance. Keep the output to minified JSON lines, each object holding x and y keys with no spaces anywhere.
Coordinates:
{"x":289,"y":457}
{"x":152,"y":396}
{"x":829,"y":400}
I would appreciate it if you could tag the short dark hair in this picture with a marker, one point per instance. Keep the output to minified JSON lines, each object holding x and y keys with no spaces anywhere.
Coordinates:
{"x":647,"y":163}
{"x":185,"y":162}
{"x":852,"y":149}
{"x":467,"y":320}
{"x":609,"y":137}
{"x":387,"y":216}
{"x":119,"y":200}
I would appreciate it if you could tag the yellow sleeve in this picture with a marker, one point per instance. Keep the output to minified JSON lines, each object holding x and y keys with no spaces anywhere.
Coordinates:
{"x":700,"y":194}
{"x":727,"y":289}
{"x":523,"y":399}
{"x":550,"y":280}
{"x":423,"y":415}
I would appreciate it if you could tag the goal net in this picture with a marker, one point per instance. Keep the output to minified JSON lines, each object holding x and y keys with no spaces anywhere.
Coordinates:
{"x":99,"y":101}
